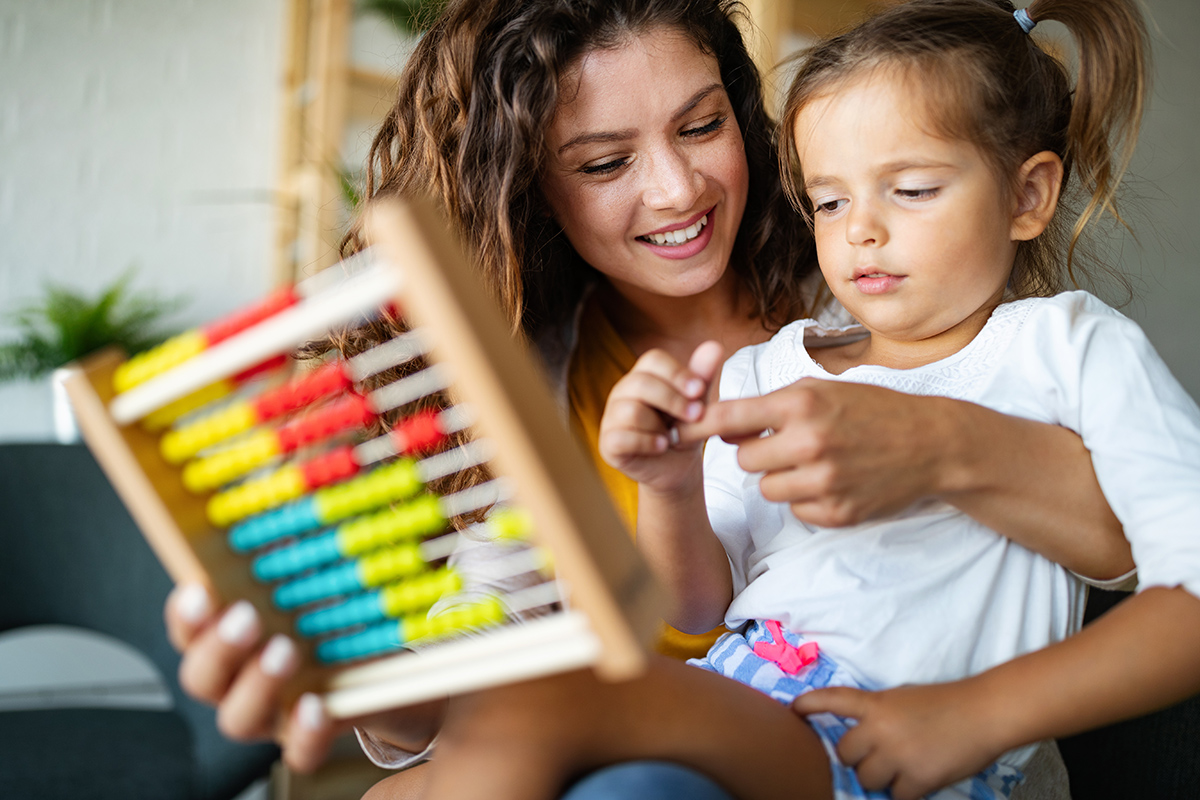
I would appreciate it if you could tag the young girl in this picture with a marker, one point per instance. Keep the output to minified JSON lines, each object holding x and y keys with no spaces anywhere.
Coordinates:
{"x":932,"y":146}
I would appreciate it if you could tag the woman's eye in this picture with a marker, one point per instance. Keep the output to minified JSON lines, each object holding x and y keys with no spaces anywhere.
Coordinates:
{"x":708,"y":127}
{"x":917,"y":194}
{"x":605,"y":167}
{"x":830,"y":206}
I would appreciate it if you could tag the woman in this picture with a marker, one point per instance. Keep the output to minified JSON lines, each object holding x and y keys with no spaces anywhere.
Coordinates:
{"x":616,"y":210}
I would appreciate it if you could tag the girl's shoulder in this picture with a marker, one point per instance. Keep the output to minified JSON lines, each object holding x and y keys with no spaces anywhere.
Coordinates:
{"x":1068,"y":316}
{"x":783,"y":359}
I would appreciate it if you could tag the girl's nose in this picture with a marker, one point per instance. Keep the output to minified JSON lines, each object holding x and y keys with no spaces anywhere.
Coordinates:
{"x":863,"y":224}
{"x":672,"y":182}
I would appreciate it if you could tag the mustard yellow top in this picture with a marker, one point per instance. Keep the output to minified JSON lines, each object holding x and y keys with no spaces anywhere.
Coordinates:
{"x":600,"y":359}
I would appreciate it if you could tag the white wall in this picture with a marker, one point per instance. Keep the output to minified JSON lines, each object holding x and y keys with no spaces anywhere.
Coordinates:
{"x":1165,"y":259}
{"x":135,"y":132}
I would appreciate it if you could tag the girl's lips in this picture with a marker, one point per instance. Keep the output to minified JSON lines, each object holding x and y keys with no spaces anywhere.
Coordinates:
{"x":688,"y":248}
{"x":877,"y":283}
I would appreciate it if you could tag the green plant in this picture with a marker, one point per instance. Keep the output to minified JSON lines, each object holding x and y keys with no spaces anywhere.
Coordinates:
{"x":65,"y":325}
{"x":409,"y":16}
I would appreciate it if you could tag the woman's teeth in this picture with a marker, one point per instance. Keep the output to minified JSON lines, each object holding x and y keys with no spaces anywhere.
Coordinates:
{"x":678,"y":237}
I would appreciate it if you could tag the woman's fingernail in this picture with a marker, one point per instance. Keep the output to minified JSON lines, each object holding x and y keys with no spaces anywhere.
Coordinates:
{"x":279,"y":656}
{"x":193,"y":603}
{"x":694,"y":410}
{"x":694,"y":387}
{"x":239,"y":626}
{"x":310,"y":712}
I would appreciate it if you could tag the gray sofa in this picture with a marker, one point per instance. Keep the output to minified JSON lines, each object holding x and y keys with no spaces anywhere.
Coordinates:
{"x":71,"y":555}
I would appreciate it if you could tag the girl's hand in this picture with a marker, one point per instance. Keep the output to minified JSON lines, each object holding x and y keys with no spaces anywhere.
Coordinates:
{"x":226,"y":664}
{"x":913,"y":739}
{"x":636,"y":430}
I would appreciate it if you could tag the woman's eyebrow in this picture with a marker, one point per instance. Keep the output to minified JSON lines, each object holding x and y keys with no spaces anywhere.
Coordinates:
{"x":599,"y":136}
{"x":629,"y":133}
{"x":695,"y":100}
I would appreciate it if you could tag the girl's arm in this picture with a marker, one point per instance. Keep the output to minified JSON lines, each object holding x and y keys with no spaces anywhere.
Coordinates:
{"x":1141,"y":656}
{"x":841,"y":453}
{"x":677,"y":540}
{"x":673,"y":531}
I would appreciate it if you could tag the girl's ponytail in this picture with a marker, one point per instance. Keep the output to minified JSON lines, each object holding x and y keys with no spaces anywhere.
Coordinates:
{"x":1110,"y":93}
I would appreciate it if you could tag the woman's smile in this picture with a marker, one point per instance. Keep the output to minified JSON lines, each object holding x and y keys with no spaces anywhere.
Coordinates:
{"x":683,"y":241}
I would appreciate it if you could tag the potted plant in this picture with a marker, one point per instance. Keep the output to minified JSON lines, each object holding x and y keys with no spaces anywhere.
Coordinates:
{"x":64,"y":325}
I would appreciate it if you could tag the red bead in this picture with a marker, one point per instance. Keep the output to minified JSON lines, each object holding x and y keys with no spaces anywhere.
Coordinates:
{"x":336,"y":465}
{"x":349,"y":412}
{"x":419,"y":433}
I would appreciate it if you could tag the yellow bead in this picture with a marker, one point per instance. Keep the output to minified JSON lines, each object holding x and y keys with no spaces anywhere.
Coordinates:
{"x":171,"y":353}
{"x":384,"y":485}
{"x":253,"y":497}
{"x":421,"y":591}
{"x":390,"y":564}
{"x":510,"y":523}
{"x":473,"y":615}
{"x":221,"y":467}
{"x":420,"y":517}
{"x":165,"y":416}
{"x":179,"y":445}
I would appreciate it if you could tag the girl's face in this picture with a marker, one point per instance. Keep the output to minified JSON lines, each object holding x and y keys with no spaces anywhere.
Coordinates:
{"x":914,"y":232}
{"x":646,"y":171}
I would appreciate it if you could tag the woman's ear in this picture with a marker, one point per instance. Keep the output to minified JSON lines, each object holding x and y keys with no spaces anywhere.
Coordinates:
{"x":1038,"y":183}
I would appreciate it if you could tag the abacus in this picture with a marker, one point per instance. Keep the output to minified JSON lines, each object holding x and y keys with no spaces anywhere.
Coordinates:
{"x":264,"y":482}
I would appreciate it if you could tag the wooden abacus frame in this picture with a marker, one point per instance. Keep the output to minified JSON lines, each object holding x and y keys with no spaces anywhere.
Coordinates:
{"x":614,"y":603}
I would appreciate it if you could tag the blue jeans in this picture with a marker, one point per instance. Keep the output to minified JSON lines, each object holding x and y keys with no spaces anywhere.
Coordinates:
{"x":646,"y":780}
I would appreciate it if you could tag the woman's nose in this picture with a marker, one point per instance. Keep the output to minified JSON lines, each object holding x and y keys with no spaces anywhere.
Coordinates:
{"x":673,"y":182}
{"x":864,"y":226}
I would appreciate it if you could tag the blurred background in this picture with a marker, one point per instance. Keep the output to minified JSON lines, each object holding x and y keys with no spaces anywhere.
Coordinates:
{"x":208,"y":146}
{"x":172,"y":160}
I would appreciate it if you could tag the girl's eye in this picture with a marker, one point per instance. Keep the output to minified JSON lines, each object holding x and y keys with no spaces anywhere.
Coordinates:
{"x":708,"y":127}
{"x":604,"y":168}
{"x":917,"y":194}
{"x":830,"y":206}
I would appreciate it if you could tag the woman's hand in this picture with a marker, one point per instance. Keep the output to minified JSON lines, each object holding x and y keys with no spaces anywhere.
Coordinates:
{"x":226,"y":664}
{"x":842,"y":453}
{"x":837,"y":453}
{"x":913,"y":739}
{"x":637,"y":427}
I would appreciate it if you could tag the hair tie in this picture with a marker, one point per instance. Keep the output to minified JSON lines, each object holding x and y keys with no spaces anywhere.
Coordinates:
{"x":1024,"y":20}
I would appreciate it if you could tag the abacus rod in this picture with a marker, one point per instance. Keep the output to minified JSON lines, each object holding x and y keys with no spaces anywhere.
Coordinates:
{"x":414,"y":387}
{"x":465,"y":456}
{"x":542,"y":646}
{"x":525,"y":560}
{"x":536,"y":596}
{"x":364,"y":291}
{"x":485,"y":494}
{"x":392,"y":353}
{"x":336,"y":273}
